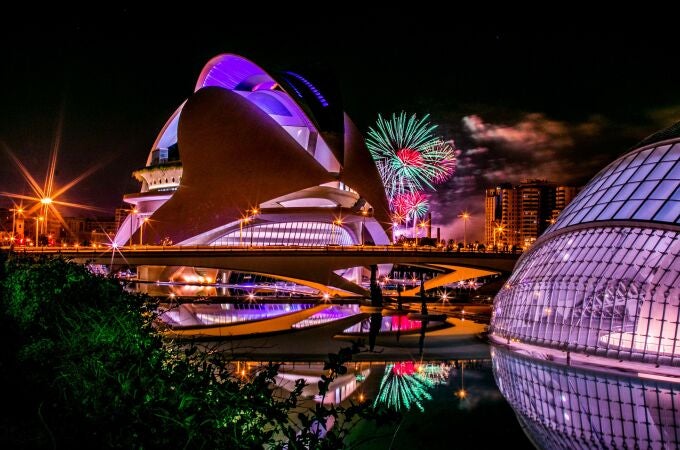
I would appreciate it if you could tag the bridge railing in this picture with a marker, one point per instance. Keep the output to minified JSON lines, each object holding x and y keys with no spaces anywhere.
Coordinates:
{"x":99,"y":248}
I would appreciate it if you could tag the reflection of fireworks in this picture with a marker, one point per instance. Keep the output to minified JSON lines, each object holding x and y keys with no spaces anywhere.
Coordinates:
{"x":408,"y":154}
{"x":436,"y":373}
{"x":403,"y":387}
{"x":410,"y":205}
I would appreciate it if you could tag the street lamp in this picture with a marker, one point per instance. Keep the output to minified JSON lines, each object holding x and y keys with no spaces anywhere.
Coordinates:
{"x":497,"y":229}
{"x":465,"y":216}
{"x":336,"y":223}
{"x":141,"y":230}
{"x":19,"y":210}
{"x":240,"y":229}
{"x":37,"y":221}
{"x":253,"y":213}
{"x":133,"y":214}
{"x":364,"y":213}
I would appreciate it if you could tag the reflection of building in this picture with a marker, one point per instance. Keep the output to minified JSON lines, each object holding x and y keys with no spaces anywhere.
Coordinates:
{"x":254,"y":158}
{"x":605,"y":278}
{"x":340,"y":388}
{"x":561,"y":407}
{"x":518,"y":215}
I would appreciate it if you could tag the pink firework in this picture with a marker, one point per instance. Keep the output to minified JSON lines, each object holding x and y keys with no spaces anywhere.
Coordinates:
{"x":447,"y":162}
{"x":410,"y":157}
{"x":410,"y":204}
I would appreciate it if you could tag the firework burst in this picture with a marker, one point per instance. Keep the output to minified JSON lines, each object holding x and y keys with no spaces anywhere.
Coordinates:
{"x":409,"y":155}
{"x":410,"y":205}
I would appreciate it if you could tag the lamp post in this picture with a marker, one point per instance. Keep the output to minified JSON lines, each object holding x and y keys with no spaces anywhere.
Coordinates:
{"x":133,"y":214}
{"x":19,"y":210}
{"x":363,"y":224}
{"x":141,"y":230}
{"x":240,"y":229}
{"x":497,"y":229}
{"x":336,"y":223}
{"x":253,"y":213}
{"x":37,"y":221}
{"x":465,"y":216}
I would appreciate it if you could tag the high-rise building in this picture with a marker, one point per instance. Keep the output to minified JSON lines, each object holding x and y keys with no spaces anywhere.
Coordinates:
{"x":518,"y":215}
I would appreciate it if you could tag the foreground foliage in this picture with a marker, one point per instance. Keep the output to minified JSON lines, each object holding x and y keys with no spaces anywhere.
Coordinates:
{"x":87,"y":369}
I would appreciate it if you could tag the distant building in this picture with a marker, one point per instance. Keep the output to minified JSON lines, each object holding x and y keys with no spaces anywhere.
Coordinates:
{"x":120,"y":215}
{"x":100,"y":230}
{"x":518,"y":215}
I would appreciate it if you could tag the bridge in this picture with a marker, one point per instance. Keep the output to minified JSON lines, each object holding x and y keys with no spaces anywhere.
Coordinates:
{"x":311,"y":266}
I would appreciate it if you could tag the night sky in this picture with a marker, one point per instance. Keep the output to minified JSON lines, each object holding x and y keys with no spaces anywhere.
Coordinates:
{"x":556,"y":104}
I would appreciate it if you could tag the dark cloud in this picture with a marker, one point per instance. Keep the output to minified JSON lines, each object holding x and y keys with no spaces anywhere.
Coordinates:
{"x":533,"y":145}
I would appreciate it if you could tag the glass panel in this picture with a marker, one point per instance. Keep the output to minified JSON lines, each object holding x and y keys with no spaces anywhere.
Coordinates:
{"x":628,"y":209}
{"x":660,"y":171}
{"x":664,"y":189}
{"x":673,"y":154}
{"x":626,"y":191}
{"x":610,"y":210}
{"x":648,"y":210}
{"x":644,"y":190}
{"x":642,"y":172}
{"x":641,"y":157}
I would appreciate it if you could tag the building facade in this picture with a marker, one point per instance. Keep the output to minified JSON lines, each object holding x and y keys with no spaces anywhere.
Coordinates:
{"x":515,"y":216}
{"x":257,"y":159}
{"x":604,"y":280}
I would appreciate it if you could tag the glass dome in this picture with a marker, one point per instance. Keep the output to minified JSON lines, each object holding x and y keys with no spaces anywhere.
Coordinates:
{"x":604,"y":279}
{"x":641,"y":185}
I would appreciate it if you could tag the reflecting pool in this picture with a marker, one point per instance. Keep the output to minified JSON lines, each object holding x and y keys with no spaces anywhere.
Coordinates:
{"x":392,"y":324}
{"x":201,"y":315}
{"x":562,"y":406}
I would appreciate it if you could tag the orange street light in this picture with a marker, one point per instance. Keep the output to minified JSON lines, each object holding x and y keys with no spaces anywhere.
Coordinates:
{"x":465,"y":216}
{"x":141,"y":230}
{"x":240,"y":229}
{"x":336,"y":223}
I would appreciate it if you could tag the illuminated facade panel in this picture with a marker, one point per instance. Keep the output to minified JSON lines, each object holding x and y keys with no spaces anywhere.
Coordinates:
{"x":288,"y":233}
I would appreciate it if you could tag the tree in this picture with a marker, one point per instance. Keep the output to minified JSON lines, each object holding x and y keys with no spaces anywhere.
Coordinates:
{"x":89,"y":369}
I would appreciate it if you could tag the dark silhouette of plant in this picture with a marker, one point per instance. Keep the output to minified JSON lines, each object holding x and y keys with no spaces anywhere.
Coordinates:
{"x":88,"y":369}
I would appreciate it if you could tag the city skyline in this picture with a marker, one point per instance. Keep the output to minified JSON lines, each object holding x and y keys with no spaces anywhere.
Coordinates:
{"x":531,"y":105}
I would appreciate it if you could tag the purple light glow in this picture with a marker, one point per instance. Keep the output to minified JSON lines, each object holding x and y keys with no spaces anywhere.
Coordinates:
{"x":311,"y":87}
{"x":201,"y":315}
{"x":331,"y":314}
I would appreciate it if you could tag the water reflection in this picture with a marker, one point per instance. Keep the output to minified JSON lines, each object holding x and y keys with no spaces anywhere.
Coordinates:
{"x":260,"y":290}
{"x":406,"y":385}
{"x":339,"y":390}
{"x":566,"y":407}
{"x":333,"y":313}
{"x":200,"y":314}
{"x":390,"y":324}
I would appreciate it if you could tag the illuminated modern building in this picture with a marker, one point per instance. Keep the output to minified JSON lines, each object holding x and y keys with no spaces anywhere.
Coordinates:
{"x":603,"y":282}
{"x":255,"y":158}
{"x":518,"y":215}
